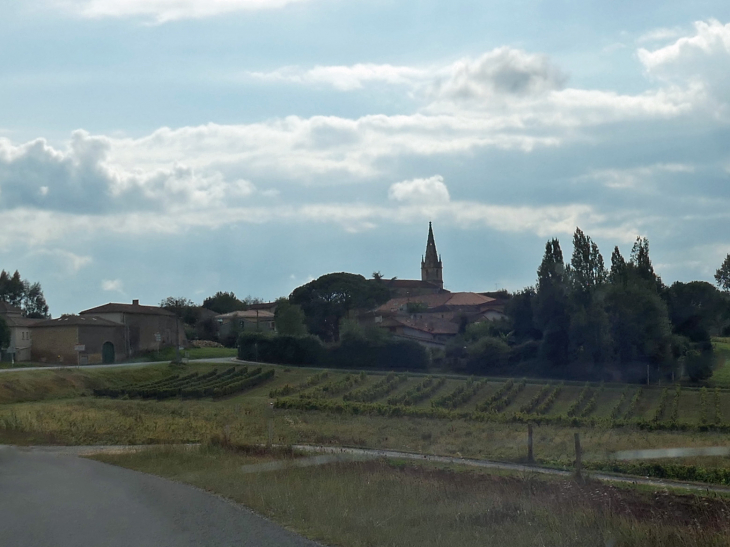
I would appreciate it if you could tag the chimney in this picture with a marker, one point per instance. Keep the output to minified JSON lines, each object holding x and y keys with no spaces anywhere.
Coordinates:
{"x":135,"y":302}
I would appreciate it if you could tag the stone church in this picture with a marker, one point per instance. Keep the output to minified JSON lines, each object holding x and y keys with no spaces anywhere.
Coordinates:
{"x":431,"y":281}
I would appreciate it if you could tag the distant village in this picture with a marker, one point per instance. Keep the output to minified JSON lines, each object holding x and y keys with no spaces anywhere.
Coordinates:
{"x":420,"y":310}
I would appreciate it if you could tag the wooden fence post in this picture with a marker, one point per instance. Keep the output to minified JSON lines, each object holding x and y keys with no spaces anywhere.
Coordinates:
{"x":578,"y":456}
{"x":270,"y":425}
{"x":530,"y":455}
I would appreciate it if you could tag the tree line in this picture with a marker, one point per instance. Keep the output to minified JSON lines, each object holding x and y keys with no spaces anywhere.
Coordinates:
{"x":584,"y":319}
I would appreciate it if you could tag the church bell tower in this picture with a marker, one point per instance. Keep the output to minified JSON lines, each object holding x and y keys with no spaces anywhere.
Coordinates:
{"x":431,"y":267}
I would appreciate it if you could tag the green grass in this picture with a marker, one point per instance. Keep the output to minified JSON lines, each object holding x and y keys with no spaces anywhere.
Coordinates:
{"x":721,"y":374}
{"x":169,"y":354}
{"x":359,"y":504}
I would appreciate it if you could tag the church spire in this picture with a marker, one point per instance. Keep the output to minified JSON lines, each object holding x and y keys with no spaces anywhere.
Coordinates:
{"x":431,"y":266}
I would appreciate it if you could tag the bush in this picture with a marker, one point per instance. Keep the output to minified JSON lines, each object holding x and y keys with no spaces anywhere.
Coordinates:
{"x":488,"y":354}
{"x":353,"y":352}
{"x":285,"y":349}
{"x":698,"y":366}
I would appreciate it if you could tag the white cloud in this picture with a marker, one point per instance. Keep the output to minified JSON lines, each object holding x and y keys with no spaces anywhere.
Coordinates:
{"x":501,"y":72}
{"x":113,"y":285}
{"x":701,"y":60}
{"x":81,"y":179}
{"x":430,"y":190}
{"x":345,"y":78}
{"x":635,"y":178}
{"x":162,"y":11}
{"x":660,"y":35}
{"x":70,"y":262}
{"x":710,"y":38}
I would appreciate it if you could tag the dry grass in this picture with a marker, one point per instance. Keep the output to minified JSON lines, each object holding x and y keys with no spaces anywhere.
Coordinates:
{"x":363,"y":504}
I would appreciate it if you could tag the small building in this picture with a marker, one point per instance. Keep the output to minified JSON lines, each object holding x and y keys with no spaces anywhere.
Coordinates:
{"x":146,"y":328}
{"x":251,"y":320}
{"x":19,"y":348}
{"x":76,"y":339}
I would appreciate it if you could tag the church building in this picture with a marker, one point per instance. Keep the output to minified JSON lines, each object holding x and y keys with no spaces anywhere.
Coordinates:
{"x":431,"y":281}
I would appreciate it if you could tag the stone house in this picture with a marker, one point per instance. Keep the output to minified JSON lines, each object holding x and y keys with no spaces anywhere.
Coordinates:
{"x":250,"y":320}
{"x":76,"y":339}
{"x":19,"y":348}
{"x":146,"y":328}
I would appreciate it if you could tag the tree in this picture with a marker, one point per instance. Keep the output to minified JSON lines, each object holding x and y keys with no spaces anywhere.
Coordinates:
{"x":224,"y":302}
{"x":23,"y":294}
{"x":4,"y":335}
{"x":326,"y":300}
{"x":289,"y":318}
{"x":618,"y":273}
{"x":586,"y":266}
{"x":34,"y":303}
{"x":640,"y":261}
{"x":182,"y":307}
{"x":722,"y":276}
{"x":551,"y":306}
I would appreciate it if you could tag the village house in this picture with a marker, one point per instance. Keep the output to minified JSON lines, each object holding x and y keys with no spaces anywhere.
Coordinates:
{"x":78,"y":340}
{"x":19,"y":348}
{"x":423,"y":311}
{"x":258,"y":320}
{"x":146,"y":328}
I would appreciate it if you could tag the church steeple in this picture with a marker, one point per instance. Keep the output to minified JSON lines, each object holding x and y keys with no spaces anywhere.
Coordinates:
{"x":431,"y":267}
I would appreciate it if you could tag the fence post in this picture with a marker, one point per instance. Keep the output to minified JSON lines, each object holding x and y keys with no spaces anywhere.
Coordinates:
{"x":270,"y":425}
{"x":578,"y":455}
{"x":530,"y":455}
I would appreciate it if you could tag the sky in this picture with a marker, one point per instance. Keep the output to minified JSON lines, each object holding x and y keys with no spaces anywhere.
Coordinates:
{"x":155,"y":148}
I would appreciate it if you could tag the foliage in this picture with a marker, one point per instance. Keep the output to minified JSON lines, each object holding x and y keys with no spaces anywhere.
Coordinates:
{"x":282,"y":349}
{"x":487,"y":354}
{"x":326,"y":300}
{"x":698,"y":366}
{"x":369,"y":394}
{"x":419,"y":392}
{"x":722,"y":275}
{"x":460,"y":395}
{"x":4,"y":334}
{"x":224,"y":302}
{"x":192,"y":386}
{"x":182,"y":307}
{"x":289,"y":318}
{"x":23,"y":294}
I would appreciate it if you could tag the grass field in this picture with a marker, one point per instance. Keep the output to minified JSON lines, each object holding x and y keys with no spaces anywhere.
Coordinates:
{"x":56,"y":407}
{"x":721,"y":374}
{"x":369,"y":503}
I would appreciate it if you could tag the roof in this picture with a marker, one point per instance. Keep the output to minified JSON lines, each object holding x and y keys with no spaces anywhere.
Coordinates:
{"x":127,"y":308}
{"x":6,"y":308}
{"x":248,"y":314}
{"x":441,"y":300}
{"x":429,"y":325}
{"x":262,"y":306}
{"x":411,"y":284}
{"x":77,"y":321}
{"x":13,"y":321}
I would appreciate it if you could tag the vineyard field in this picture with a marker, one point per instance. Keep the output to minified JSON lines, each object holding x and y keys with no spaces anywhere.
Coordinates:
{"x":662,"y":407}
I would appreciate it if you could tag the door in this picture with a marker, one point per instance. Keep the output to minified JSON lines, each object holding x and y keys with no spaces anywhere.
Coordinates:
{"x":107,"y":353}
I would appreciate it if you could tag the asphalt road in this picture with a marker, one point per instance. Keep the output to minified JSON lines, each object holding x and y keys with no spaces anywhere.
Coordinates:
{"x":60,"y":500}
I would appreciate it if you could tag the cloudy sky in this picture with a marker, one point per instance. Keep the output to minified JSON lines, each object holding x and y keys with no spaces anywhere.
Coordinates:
{"x":151,"y":148}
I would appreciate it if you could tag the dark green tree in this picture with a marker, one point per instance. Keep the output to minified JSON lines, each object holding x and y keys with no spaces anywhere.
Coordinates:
{"x":11,"y":288}
{"x":4,"y":335}
{"x":587,"y":269}
{"x":551,"y":306}
{"x":184,"y":308}
{"x":289,"y":318}
{"x":224,"y":302}
{"x":619,"y":270}
{"x":326,"y":300}
{"x":722,"y":275}
{"x":34,"y":303}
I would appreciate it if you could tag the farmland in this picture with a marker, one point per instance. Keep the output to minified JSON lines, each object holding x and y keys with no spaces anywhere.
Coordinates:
{"x":447,"y":415}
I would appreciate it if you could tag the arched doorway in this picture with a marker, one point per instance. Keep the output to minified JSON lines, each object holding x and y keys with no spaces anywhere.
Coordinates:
{"x":107,"y":353}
